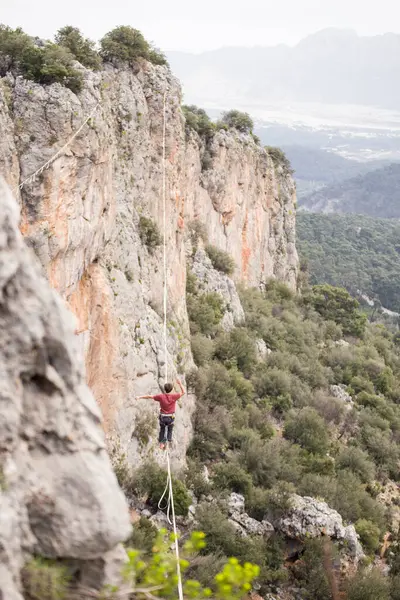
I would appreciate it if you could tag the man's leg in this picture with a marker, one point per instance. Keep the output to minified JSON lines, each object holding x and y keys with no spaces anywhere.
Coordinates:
{"x":170,"y":430}
{"x":162,"y":436}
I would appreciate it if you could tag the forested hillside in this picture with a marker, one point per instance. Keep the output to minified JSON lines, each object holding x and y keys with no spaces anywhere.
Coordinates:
{"x":376,"y":193}
{"x":357,"y":252}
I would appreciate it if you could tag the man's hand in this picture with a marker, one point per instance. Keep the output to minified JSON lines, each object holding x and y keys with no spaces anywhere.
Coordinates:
{"x":178,"y":381}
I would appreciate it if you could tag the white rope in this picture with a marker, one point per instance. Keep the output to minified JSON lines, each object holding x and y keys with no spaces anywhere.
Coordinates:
{"x":164,"y":239}
{"x":178,"y":564}
{"x":47,"y":164}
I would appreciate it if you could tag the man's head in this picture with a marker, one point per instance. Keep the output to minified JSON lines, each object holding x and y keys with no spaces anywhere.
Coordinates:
{"x":168,"y":387}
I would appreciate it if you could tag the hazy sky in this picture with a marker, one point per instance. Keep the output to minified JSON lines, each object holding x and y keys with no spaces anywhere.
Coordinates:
{"x":205,"y":24}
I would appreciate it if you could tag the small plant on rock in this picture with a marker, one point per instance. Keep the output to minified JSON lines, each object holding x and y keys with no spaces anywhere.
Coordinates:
{"x":149,"y":233}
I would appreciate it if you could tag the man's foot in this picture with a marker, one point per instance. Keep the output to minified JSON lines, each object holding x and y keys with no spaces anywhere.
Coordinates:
{"x":163,"y":445}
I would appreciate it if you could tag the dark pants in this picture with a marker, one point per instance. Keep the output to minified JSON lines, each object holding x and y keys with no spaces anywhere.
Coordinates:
{"x":166,"y":428}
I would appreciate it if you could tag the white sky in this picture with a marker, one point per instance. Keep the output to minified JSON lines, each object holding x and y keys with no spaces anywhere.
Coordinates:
{"x":205,"y":24}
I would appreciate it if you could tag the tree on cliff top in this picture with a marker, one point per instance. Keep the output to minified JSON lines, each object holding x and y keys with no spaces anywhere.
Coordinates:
{"x":82,"y":48}
{"x":238,"y":120}
{"x":128,"y":44}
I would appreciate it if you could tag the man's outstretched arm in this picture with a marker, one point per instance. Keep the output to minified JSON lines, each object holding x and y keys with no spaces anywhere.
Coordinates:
{"x":179,"y":382}
{"x":144,"y":397}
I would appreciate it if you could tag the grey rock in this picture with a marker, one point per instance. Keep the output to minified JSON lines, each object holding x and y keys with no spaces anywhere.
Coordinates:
{"x":354,"y":546}
{"x":309,"y":517}
{"x":212,"y":280}
{"x":339,"y":391}
{"x":262,"y":349}
{"x":236,"y":504}
{"x":60,"y":497}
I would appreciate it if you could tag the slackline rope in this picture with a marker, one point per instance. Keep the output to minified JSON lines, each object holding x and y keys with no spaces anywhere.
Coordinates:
{"x":47,"y":164}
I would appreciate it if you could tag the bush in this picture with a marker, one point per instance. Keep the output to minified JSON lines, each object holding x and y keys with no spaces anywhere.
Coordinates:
{"x":47,"y":64}
{"x":149,"y":233}
{"x":311,"y":572}
{"x":237,"y":348}
{"x":336,"y":304}
{"x":80,"y":47}
{"x":357,"y":461}
{"x":238,"y":120}
{"x":205,"y":312}
{"x":150,"y":480}
{"x":142,"y":536}
{"x":307,"y":429}
{"x":279,"y":158}
{"x":369,"y":534}
{"x":202,"y":349}
{"x":220,"y":259}
{"x":127,"y":44}
{"x":45,"y":579}
{"x":368,"y":585}
{"x":198,"y":120}
{"x":230,"y":476}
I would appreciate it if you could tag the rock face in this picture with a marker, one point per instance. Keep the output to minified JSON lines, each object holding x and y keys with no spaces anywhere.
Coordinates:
{"x":244,"y":524}
{"x":58,"y":494}
{"x":310,"y":518}
{"x":84,"y":218}
{"x":211,"y":280}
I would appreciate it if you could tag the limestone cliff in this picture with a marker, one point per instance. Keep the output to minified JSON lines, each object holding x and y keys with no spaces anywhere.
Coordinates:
{"x":59,"y":497}
{"x":82,"y":215}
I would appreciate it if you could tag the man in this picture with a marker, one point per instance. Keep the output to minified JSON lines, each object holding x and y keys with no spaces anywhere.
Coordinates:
{"x":167,"y":403}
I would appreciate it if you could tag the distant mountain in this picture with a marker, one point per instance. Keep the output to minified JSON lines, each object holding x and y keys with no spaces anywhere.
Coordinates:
{"x":323,"y":167}
{"x":376,"y":193}
{"x":331,"y":66}
{"x":357,"y":252}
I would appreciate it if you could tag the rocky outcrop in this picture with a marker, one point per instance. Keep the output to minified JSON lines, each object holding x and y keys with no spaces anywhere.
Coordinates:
{"x":59,"y":497}
{"x":311,"y":518}
{"x":243,"y":523}
{"x":211,"y":280}
{"x":340,"y":392}
{"x":83,"y":215}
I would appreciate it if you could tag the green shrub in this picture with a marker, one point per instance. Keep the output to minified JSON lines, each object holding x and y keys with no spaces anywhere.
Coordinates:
{"x":230,"y":476}
{"x":142,"y":536}
{"x":195,"y":479}
{"x":237,"y":348}
{"x":238,"y":120}
{"x":368,"y":585}
{"x":127,"y":44}
{"x":220,"y":259}
{"x":279,"y":158}
{"x":337,"y":305}
{"x":80,"y":47}
{"x":205,"y":312}
{"x":45,"y":579}
{"x":369,"y":534}
{"x":198,"y":120}
{"x":307,"y":429}
{"x":311,"y":572}
{"x":150,"y":480}
{"x":13,"y":45}
{"x":149,"y":233}
{"x":202,"y":349}
{"x":198,"y":231}
{"x":145,"y":427}
{"x":357,"y":461}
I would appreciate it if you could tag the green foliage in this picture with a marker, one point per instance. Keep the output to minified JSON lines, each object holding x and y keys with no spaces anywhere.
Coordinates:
{"x":368,"y":585}
{"x":336,"y":304}
{"x":46,"y":64}
{"x":311,"y":573}
{"x":202,"y":349}
{"x":143,"y":536}
{"x":307,"y":429}
{"x":145,"y":426}
{"x":149,"y":233}
{"x":237,"y":348}
{"x":364,"y":256}
{"x":238,"y":120}
{"x":198,"y":120}
{"x":221,"y":260}
{"x":150,"y":480}
{"x":357,"y":461}
{"x":127,"y":44}
{"x":205,"y":312}
{"x":230,"y":476}
{"x":45,"y":579}
{"x":83,"y":49}
{"x":279,"y":158}
{"x":369,"y":534}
